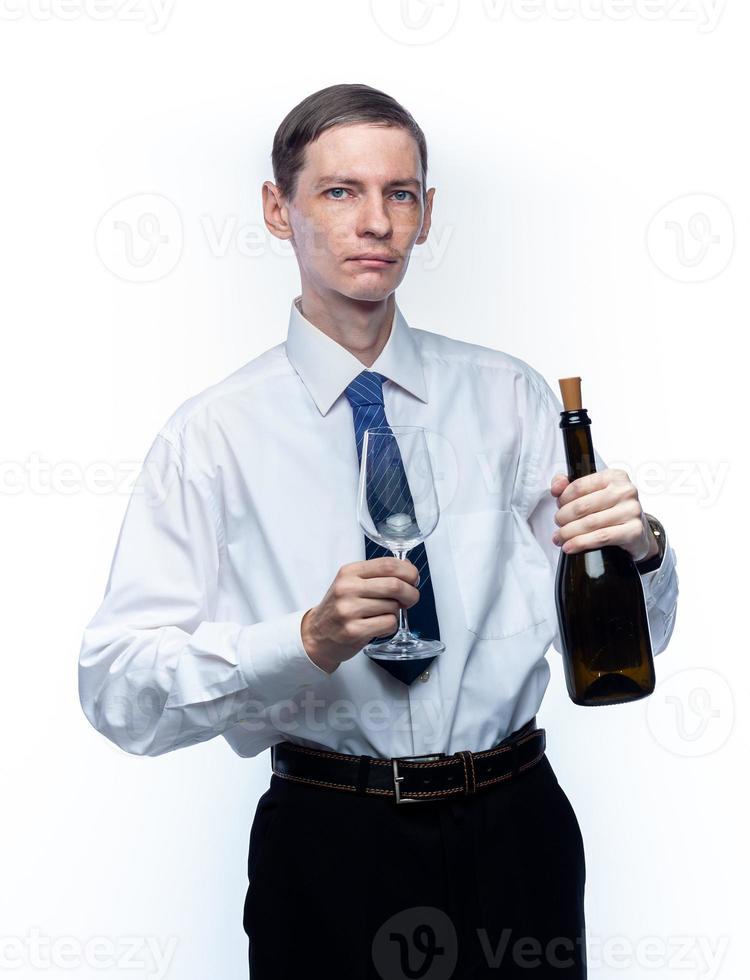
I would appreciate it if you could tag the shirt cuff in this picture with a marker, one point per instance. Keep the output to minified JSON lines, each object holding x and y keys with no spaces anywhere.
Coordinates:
{"x":273,"y":659}
{"x":659,"y":584}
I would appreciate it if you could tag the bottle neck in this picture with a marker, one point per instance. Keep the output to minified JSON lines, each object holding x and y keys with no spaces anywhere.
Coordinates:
{"x":579,"y":448}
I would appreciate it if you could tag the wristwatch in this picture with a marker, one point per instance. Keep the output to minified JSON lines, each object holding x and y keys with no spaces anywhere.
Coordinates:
{"x":649,"y":564}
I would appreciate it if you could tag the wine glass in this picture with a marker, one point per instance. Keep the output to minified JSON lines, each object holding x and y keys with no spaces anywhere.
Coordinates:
{"x":397,"y":507}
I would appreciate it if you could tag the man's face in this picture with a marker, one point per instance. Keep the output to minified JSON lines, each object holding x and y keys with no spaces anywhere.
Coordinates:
{"x":360,"y":192}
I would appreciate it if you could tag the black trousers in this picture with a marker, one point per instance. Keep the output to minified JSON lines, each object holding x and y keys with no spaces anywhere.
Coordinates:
{"x":358,"y":888}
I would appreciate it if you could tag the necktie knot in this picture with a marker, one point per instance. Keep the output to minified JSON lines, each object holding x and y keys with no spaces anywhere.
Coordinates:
{"x":366,"y":389}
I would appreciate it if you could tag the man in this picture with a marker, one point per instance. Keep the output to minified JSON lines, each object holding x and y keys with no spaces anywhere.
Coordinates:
{"x":242,"y":592}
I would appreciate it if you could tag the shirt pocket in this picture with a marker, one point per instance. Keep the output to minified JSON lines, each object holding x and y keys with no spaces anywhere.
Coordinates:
{"x":501,"y":580}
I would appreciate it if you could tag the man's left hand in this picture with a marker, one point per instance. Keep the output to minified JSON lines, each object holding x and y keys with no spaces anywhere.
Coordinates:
{"x":601,"y":509}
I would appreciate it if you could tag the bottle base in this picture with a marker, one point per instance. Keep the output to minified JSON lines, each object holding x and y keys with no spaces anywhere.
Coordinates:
{"x":611,"y":689}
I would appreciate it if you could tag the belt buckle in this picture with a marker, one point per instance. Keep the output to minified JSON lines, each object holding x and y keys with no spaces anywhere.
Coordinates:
{"x":397,"y":779}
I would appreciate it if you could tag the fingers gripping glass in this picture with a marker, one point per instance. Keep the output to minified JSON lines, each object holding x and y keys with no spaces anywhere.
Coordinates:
{"x":397,"y":507}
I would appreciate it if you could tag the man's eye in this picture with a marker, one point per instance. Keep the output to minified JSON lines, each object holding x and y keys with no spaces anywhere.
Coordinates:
{"x":340,"y":196}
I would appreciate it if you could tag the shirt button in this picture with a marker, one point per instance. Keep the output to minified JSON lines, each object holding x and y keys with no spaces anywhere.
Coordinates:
{"x":425,"y":675}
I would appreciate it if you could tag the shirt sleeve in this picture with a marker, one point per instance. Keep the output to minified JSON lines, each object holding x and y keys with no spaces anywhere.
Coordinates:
{"x":156,"y":671}
{"x":546,"y":456}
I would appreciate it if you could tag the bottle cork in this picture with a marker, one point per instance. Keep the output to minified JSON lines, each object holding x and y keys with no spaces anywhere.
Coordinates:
{"x":570,"y":388}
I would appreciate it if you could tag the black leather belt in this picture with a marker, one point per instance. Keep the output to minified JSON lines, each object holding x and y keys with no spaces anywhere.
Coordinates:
{"x":412,"y":778}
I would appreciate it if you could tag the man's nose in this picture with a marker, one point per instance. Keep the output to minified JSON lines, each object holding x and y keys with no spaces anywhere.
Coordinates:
{"x":373,"y":217}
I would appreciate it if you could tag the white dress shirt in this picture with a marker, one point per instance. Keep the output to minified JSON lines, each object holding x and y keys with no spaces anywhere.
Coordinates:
{"x":245,"y":509}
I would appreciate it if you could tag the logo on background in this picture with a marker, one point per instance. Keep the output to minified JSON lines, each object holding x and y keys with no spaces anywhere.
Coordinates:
{"x":691,"y":712}
{"x":414,"y":21}
{"x":140,"y":238}
{"x":691,"y":239}
{"x":416,"y":944}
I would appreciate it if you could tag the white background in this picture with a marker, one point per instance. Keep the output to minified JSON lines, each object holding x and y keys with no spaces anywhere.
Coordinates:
{"x":592,"y":216}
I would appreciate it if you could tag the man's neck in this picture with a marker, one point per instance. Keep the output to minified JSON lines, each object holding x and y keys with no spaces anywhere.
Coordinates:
{"x":363,"y":328}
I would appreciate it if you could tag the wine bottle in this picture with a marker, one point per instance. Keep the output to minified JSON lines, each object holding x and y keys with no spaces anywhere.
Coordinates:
{"x":601,"y":609}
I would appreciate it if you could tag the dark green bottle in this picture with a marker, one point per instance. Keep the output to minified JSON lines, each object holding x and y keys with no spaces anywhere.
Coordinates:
{"x":601,"y":608}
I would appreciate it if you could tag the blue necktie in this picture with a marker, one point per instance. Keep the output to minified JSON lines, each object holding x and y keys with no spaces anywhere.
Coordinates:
{"x":365,"y":395}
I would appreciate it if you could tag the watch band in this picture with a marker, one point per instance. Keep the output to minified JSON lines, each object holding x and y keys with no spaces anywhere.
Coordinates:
{"x":650,"y":564}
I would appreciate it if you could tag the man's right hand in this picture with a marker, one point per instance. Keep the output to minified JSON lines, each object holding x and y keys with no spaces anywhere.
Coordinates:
{"x":362,"y":603}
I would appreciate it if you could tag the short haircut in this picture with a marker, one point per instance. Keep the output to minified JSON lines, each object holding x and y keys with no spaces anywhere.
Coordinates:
{"x":336,"y":105}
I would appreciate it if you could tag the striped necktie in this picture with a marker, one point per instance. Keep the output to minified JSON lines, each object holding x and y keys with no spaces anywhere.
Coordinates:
{"x":365,"y":395}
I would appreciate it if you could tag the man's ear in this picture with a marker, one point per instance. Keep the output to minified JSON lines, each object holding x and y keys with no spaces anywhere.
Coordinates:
{"x":427,"y":219}
{"x":275,"y":211}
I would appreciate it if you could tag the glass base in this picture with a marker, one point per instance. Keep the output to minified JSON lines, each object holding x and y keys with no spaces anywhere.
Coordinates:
{"x":404,"y":648}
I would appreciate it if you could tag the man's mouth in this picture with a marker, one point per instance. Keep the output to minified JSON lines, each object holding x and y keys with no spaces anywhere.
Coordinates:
{"x":373,"y":260}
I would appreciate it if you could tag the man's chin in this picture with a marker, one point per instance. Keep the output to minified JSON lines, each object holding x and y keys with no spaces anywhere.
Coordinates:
{"x":370,"y":288}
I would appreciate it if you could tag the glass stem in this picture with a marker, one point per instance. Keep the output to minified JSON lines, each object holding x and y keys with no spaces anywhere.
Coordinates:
{"x":404,"y":634}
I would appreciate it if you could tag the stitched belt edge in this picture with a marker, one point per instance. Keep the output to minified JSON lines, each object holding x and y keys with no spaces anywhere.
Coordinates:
{"x":461,"y":774}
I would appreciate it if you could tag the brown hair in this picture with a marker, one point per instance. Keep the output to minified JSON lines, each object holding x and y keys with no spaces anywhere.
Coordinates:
{"x":336,"y":105}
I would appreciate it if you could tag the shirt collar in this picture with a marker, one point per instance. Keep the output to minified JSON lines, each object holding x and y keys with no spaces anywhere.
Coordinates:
{"x":326,"y":368}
